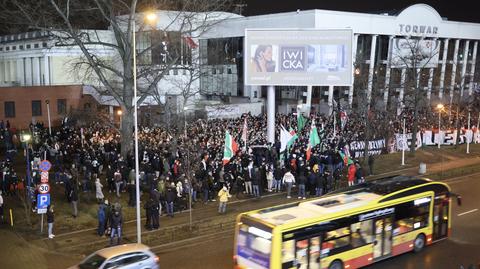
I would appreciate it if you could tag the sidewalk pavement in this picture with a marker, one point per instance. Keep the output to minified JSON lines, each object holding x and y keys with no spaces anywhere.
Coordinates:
{"x":41,"y":253}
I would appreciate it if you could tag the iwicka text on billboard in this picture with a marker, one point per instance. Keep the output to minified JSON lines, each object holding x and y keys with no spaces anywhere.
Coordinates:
{"x":298,"y":57}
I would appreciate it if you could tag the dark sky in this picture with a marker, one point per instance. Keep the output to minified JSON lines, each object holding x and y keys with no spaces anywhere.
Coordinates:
{"x":454,"y":10}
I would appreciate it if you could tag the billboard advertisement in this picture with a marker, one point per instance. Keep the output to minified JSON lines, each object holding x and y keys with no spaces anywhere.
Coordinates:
{"x":419,"y":53}
{"x":298,"y":57}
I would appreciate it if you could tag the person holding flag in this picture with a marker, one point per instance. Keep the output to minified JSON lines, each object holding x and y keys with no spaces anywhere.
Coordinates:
{"x":230,"y":149}
{"x":300,"y":122}
{"x":286,"y":141}
{"x":313,"y":140}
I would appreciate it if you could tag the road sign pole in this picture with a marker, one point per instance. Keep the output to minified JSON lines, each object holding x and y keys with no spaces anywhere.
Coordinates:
{"x":41,"y":225}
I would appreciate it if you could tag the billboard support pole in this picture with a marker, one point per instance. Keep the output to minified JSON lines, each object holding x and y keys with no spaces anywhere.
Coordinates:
{"x":330,"y":100}
{"x":271,"y":114}
{"x":309,"y":99}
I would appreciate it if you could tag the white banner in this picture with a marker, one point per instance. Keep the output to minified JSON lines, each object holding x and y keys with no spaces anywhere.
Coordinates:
{"x":407,"y":53}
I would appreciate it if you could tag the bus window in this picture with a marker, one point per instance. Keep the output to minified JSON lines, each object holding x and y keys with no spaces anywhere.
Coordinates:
{"x":253,"y":246}
{"x":288,"y":251}
{"x":336,"y":239}
{"x":302,"y":254}
{"x":410,"y":216}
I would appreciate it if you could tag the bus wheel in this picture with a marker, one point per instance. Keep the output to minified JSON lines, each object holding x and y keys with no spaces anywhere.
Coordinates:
{"x":336,"y":265}
{"x":419,"y":243}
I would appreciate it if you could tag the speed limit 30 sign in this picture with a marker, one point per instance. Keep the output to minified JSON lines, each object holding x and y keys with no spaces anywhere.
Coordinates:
{"x":44,"y":188}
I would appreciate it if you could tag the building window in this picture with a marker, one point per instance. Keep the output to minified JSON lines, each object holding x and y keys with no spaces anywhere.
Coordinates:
{"x":44,"y":44}
{"x":28,"y":46}
{"x":36,"y":108}
{"x":35,"y":46}
{"x":21,"y":47}
{"x":9,"y":109}
{"x":1,"y":48}
{"x":14,"y":47}
{"x":61,"y":106}
{"x":7,"y":48}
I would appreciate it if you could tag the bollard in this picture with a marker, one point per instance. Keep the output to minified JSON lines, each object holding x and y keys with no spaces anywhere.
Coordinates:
{"x":11,"y":217}
{"x":422,"y":169}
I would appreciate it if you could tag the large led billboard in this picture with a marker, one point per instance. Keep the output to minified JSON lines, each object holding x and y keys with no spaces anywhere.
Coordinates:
{"x":298,"y":57}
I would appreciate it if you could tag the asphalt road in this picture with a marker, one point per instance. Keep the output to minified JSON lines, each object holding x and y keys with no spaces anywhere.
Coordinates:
{"x":462,"y":248}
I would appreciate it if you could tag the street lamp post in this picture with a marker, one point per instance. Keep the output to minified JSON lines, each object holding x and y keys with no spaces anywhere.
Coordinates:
{"x":26,"y":138}
{"x":404,"y":142}
{"x":150,"y":17}
{"x":188,"y":174}
{"x":440,"y":107}
{"x":466,"y":136}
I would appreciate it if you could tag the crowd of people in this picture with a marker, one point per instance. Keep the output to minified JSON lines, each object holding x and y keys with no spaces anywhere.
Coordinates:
{"x":176,"y":166}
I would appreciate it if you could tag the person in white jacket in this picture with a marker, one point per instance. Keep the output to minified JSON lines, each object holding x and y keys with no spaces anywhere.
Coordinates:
{"x":98,"y":190}
{"x":288,"y":180}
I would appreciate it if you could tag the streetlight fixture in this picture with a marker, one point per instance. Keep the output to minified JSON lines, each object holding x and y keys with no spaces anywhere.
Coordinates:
{"x":468,"y":131}
{"x":150,"y":17}
{"x":120,"y":113}
{"x":404,"y":142}
{"x":440,"y":108}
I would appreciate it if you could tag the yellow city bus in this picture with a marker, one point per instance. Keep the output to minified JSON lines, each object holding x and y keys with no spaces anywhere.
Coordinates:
{"x":351,"y":228}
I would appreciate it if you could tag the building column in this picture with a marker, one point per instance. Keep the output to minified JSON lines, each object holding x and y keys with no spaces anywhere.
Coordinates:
{"x":13,"y":70}
{"x":330,"y":100}
{"x":430,"y":83}
{"x":454,"y":69}
{"x":402,"y":91}
{"x":28,"y":71}
{"x":464,"y":66}
{"x":354,"y":50}
{"x":36,"y":71}
{"x":441,"y":86}
{"x":19,"y":72}
{"x":2,"y":72}
{"x":370,"y":69}
{"x":472,"y":69}
{"x":110,"y":113}
{"x":271,"y":114}
{"x":387,"y":71}
{"x":46,"y":70}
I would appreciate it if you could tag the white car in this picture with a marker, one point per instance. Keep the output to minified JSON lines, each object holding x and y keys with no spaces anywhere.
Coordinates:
{"x":129,"y":256}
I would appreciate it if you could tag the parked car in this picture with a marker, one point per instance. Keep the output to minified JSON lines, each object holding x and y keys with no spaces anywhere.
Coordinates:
{"x":128,"y":256}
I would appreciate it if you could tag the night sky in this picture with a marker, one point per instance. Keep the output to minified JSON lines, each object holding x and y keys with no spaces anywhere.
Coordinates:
{"x":454,"y":10}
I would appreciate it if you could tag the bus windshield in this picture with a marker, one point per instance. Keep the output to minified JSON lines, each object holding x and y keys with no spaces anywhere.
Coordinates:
{"x":254,"y":246}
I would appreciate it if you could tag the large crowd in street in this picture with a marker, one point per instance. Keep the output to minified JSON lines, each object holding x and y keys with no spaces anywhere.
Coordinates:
{"x":176,"y":166}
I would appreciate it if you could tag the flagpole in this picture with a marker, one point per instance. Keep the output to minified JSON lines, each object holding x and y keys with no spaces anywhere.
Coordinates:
{"x":334,"y":125}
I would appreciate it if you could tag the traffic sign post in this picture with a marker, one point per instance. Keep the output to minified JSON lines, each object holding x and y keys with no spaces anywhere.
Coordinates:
{"x":45,"y":166}
{"x":43,"y":199}
{"x":44,"y":188}
{"x":44,"y":177}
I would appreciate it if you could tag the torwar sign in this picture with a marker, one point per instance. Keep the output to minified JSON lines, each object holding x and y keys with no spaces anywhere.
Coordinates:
{"x":419,"y":20}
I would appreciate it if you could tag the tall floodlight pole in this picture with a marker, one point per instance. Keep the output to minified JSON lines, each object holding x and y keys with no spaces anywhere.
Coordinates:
{"x":440,"y":107}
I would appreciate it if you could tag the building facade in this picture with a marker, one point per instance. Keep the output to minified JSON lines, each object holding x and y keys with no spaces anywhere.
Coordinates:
{"x":211,"y":62}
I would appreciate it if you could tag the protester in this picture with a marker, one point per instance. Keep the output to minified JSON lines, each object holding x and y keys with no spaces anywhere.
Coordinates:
{"x":98,"y":190}
{"x":116,"y":223}
{"x":223,"y":196}
{"x":288,"y":180}
{"x":50,"y":221}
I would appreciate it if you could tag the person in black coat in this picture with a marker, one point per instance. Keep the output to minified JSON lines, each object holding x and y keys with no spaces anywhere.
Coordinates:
{"x":170,"y":197}
{"x":116,"y":223}
{"x":148,"y":213}
{"x":50,"y":221}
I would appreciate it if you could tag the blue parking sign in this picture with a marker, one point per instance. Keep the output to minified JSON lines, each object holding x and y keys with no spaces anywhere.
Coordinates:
{"x":43,"y":201}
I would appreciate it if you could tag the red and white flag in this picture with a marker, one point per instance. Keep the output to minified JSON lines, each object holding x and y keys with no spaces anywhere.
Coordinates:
{"x":190,"y":42}
{"x":230,"y":149}
{"x":244,"y":134}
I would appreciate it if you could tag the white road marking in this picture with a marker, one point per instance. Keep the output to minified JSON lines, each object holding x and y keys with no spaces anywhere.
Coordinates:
{"x":468,"y":212}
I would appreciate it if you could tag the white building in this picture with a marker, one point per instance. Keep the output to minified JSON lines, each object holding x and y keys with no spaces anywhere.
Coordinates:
{"x":31,"y":59}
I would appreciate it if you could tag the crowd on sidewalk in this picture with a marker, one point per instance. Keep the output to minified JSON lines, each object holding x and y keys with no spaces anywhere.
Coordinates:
{"x":177,"y":166}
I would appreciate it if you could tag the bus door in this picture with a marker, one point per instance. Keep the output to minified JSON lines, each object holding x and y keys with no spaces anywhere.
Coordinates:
{"x":382,"y":244}
{"x":440,"y":217}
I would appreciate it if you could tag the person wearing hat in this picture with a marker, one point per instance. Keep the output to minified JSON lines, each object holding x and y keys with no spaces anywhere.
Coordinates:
{"x":223,"y":196}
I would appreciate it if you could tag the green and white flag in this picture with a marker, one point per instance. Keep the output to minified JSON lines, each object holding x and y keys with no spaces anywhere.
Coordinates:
{"x":313,"y":140}
{"x":230,"y":149}
{"x":300,"y":122}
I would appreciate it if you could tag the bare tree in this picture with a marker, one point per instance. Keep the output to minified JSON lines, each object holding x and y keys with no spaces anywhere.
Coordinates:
{"x":159,"y":48}
{"x":412,"y":55}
